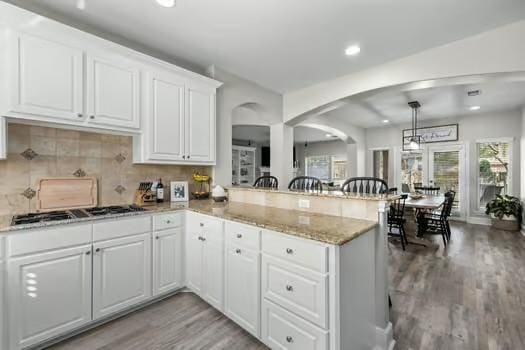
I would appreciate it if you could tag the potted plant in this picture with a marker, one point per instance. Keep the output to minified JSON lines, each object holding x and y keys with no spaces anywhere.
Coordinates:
{"x":505,"y":212}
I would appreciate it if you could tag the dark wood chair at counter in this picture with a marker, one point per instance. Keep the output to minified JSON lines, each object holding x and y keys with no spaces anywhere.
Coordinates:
{"x":266,"y":181}
{"x":396,"y":219}
{"x":305,"y":184}
{"x":368,"y":185}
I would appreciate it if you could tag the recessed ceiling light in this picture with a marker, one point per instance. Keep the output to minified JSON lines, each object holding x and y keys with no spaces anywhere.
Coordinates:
{"x":352,"y":50}
{"x":475,"y":108}
{"x":166,"y":3}
{"x":329,"y":135}
{"x":386,"y":121}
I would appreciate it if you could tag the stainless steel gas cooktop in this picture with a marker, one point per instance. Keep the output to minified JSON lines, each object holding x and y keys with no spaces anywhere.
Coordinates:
{"x":74,"y":214}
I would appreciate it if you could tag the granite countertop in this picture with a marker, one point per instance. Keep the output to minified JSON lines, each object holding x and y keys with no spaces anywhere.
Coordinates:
{"x":323,"y":228}
{"x":330,"y":194}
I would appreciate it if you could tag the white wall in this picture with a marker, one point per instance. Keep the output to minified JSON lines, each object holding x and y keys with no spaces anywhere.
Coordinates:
{"x":471,"y":129}
{"x":233,"y":93}
{"x":331,"y":148}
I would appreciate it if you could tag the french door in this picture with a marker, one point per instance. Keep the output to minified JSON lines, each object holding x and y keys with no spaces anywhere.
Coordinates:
{"x":446,"y":170}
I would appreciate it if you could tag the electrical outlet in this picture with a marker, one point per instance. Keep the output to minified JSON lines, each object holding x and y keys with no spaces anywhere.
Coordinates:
{"x":304,"y":203}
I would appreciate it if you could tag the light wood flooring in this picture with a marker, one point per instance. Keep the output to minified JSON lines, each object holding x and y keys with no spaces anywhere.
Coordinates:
{"x":469,"y":296}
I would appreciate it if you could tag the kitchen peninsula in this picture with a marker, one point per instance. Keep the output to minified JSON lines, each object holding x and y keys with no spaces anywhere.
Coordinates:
{"x":284,"y":275}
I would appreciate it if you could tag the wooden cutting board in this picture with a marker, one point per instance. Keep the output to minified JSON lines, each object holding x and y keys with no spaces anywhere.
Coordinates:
{"x":66,"y":193}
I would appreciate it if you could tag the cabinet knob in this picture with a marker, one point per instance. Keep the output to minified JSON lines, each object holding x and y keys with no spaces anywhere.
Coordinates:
{"x":183,"y":157}
{"x":88,"y":252}
{"x":289,"y":339}
{"x":91,"y":117}
{"x":239,"y":235}
{"x":80,"y":115}
{"x":289,"y":251}
{"x":202,"y":225}
{"x":97,"y":250}
{"x":156,"y":237}
{"x":168,"y":221}
{"x":238,"y":251}
{"x":188,"y":157}
{"x":289,"y":288}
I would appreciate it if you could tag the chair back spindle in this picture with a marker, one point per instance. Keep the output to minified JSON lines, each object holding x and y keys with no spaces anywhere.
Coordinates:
{"x":305,"y":184}
{"x":266,"y":181}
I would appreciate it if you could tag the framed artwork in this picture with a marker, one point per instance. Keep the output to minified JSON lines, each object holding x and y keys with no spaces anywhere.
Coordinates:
{"x":179,"y":191}
{"x":432,"y":134}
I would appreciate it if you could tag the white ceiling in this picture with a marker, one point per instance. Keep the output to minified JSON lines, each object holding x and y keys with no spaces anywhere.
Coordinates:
{"x":284,"y":44}
{"x":369,"y":110}
{"x":261,"y":134}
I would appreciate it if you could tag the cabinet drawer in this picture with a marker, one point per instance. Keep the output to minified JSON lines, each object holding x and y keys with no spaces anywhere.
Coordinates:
{"x":242,"y":235}
{"x":207,"y":226}
{"x":121,"y":228}
{"x":308,"y":254}
{"x":168,"y":220}
{"x":283,"y":330}
{"x":34,"y":241}
{"x":299,"y":290}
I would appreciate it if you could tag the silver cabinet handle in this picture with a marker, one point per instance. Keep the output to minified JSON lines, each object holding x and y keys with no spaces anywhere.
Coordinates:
{"x":88,"y":252}
{"x":183,"y":157}
{"x":239,"y":235}
{"x":289,"y":251}
{"x":168,"y":222}
{"x":289,"y":339}
{"x":289,"y":288}
{"x":188,"y":157}
{"x":91,"y":117}
{"x":238,"y":251}
{"x":156,"y":237}
{"x":80,"y":115}
{"x":97,"y":250}
{"x":201,"y":224}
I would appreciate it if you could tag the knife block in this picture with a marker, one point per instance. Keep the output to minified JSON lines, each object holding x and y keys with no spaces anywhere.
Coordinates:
{"x":145,"y":198}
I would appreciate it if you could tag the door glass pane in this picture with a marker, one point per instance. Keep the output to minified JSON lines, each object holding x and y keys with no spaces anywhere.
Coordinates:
{"x":446,"y":174}
{"x":381,"y":164}
{"x":493,"y":159}
{"x":411,"y":171}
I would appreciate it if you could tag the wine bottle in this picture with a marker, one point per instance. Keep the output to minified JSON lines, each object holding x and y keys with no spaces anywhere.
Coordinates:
{"x":160,"y":192}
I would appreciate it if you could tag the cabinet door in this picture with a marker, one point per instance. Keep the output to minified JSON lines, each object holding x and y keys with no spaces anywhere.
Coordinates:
{"x":121,"y":273}
{"x":47,"y":78}
{"x":194,"y":262}
{"x":214,"y":273}
{"x":242,"y":288}
{"x":49,"y":294}
{"x":167,"y":261}
{"x":200,"y":133}
{"x":165,"y":106}
{"x":112,"y":92}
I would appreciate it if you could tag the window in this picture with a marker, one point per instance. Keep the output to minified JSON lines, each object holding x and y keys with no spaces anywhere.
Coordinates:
{"x":327,"y":168}
{"x":380,"y":164}
{"x":494,"y":169}
{"x":411,"y":171}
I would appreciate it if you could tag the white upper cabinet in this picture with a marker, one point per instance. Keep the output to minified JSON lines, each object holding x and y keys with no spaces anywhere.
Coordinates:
{"x":200,"y":139}
{"x":47,"y":78}
{"x":165,"y":125}
{"x":113,"y":95}
{"x":179,"y":121}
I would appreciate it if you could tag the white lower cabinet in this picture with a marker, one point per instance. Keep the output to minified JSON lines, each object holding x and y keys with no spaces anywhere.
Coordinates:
{"x":283,"y":330}
{"x":205,"y":258}
{"x":121,"y":273}
{"x":243,"y":288}
{"x":167,"y":261}
{"x":49,"y":294}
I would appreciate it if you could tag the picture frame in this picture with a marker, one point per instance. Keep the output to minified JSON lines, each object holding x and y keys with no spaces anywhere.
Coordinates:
{"x":179,"y":191}
{"x":432,"y":134}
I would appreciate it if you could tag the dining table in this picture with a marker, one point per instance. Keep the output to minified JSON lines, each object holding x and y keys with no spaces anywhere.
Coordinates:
{"x":426,"y":203}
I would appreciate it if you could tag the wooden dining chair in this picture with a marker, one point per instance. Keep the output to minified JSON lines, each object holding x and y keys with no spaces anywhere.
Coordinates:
{"x":362,"y":185}
{"x":396,"y":219}
{"x":266,"y":181}
{"x":305,"y":184}
{"x":437,"y":222}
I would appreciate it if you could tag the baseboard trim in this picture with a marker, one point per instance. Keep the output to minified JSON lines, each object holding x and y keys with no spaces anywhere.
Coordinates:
{"x":385,"y":338}
{"x":478,"y":220}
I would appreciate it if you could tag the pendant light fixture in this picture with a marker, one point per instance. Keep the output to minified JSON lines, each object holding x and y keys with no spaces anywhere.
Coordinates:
{"x":414,"y":141}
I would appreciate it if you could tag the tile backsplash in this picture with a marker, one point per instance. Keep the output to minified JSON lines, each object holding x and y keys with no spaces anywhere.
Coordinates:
{"x":35,"y":152}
